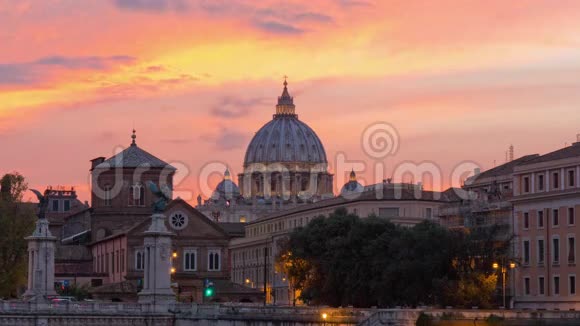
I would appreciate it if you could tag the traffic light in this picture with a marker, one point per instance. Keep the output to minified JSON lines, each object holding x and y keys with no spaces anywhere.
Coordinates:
{"x":208,"y":290}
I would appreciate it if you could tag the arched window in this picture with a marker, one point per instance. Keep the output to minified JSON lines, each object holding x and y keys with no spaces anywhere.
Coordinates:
{"x":107,"y":198}
{"x":189,"y":260}
{"x":139,"y":260}
{"x":213,"y":260}
{"x":137,"y":195}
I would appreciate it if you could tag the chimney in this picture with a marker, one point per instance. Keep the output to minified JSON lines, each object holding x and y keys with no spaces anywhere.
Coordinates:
{"x":577,"y":143}
{"x":511,"y":153}
{"x":97,"y":161}
{"x":476,"y":171}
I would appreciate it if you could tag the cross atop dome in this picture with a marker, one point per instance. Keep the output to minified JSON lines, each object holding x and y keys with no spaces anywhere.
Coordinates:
{"x":133,"y":137}
{"x":285,"y":106}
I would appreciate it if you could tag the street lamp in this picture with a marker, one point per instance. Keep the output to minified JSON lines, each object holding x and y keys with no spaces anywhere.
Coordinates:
{"x":324,"y":316}
{"x":503,"y":268}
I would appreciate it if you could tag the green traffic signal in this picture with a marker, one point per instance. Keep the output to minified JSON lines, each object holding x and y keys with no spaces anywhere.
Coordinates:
{"x":208,"y":292}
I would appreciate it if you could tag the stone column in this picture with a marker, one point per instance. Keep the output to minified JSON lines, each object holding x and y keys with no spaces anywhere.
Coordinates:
{"x":157,"y":273}
{"x":41,"y":248}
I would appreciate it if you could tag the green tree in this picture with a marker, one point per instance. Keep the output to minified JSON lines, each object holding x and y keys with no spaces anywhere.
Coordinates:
{"x":344,"y":260}
{"x":16,"y":222}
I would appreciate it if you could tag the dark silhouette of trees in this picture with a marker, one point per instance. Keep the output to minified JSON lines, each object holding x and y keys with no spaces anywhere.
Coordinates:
{"x":16,"y":222}
{"x":343,"y":260}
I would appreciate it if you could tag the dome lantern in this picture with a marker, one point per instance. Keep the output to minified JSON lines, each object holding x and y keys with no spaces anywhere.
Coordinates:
{"x":285,"y":106}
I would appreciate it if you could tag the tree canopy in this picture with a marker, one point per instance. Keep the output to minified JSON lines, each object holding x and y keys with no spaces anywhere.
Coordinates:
{"x":16,"y":223}
{"x":343,"y":260}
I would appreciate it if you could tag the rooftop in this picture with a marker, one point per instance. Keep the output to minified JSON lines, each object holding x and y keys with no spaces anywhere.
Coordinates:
{"x":133,"y":157}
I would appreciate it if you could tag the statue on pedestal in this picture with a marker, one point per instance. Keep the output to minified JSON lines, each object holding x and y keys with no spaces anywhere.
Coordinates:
{"x":157,"y":243}
{"x":164,"y":196}
{"x":41,"y":250}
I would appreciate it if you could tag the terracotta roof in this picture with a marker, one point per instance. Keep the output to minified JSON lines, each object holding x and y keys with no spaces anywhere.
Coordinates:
{"x":504,"y":169}
{"x":233,"y":229}
{"x":133,"y":157}
{"x":389,"y":193}
{"x":566,"y":152}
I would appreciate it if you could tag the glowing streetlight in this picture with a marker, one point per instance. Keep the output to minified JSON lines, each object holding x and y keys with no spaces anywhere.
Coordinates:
{"x":503,"y":270}
{"x":324,"y":316}
{"x":174,"y":255}
{"x":247,"y":281}
{"x":172,"y":270}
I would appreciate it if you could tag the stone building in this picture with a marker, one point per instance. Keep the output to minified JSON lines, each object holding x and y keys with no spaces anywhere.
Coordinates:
{"x":486,"y":200}
{"x":285,"y":166}
{"x":546,"y":205}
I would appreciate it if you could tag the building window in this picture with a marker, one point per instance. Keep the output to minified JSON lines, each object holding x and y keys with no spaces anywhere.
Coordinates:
{"x":541,"y":182}
{"x":213,"y":260}
{"x":571,"y":250}
{"x":526,"y":252}
{"x":540,"y":251}
{"x":556,"y":285}
{"x":112,"y":262}
{"x":389,"y":212}
{"x":139,"y":260}
{"x":526,"y":285}
{"x":571,"y":181}
{"x":526,"y":184}
{"x":137,"y":195}
{"x":107,"y":195}
{"x":243,"y":219}
{"x":571,"y":217}
{"x":66,"y":204}
{"x":555,"y":180}
{"x":541,"y":285}
{"x":526,"y":220}
{"x":122,"y":260}
{"x":428,"y":212}
{"x":540,"y":219}
{"x":556,"y":250}
{"x":572,"y":284}
{"x":555,"y":217}
{"x":190,"y":260}
{"x":55,"y":205}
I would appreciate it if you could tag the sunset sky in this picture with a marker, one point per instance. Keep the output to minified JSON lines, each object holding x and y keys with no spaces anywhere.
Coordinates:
{"x":459,"y":80}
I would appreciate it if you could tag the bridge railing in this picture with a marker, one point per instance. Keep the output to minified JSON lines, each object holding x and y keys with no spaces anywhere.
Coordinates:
{"x":214,"y":311}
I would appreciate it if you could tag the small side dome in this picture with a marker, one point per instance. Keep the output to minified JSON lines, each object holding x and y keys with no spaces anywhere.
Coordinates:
{"x":226,"y":189}
{"x":352,"y":186}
